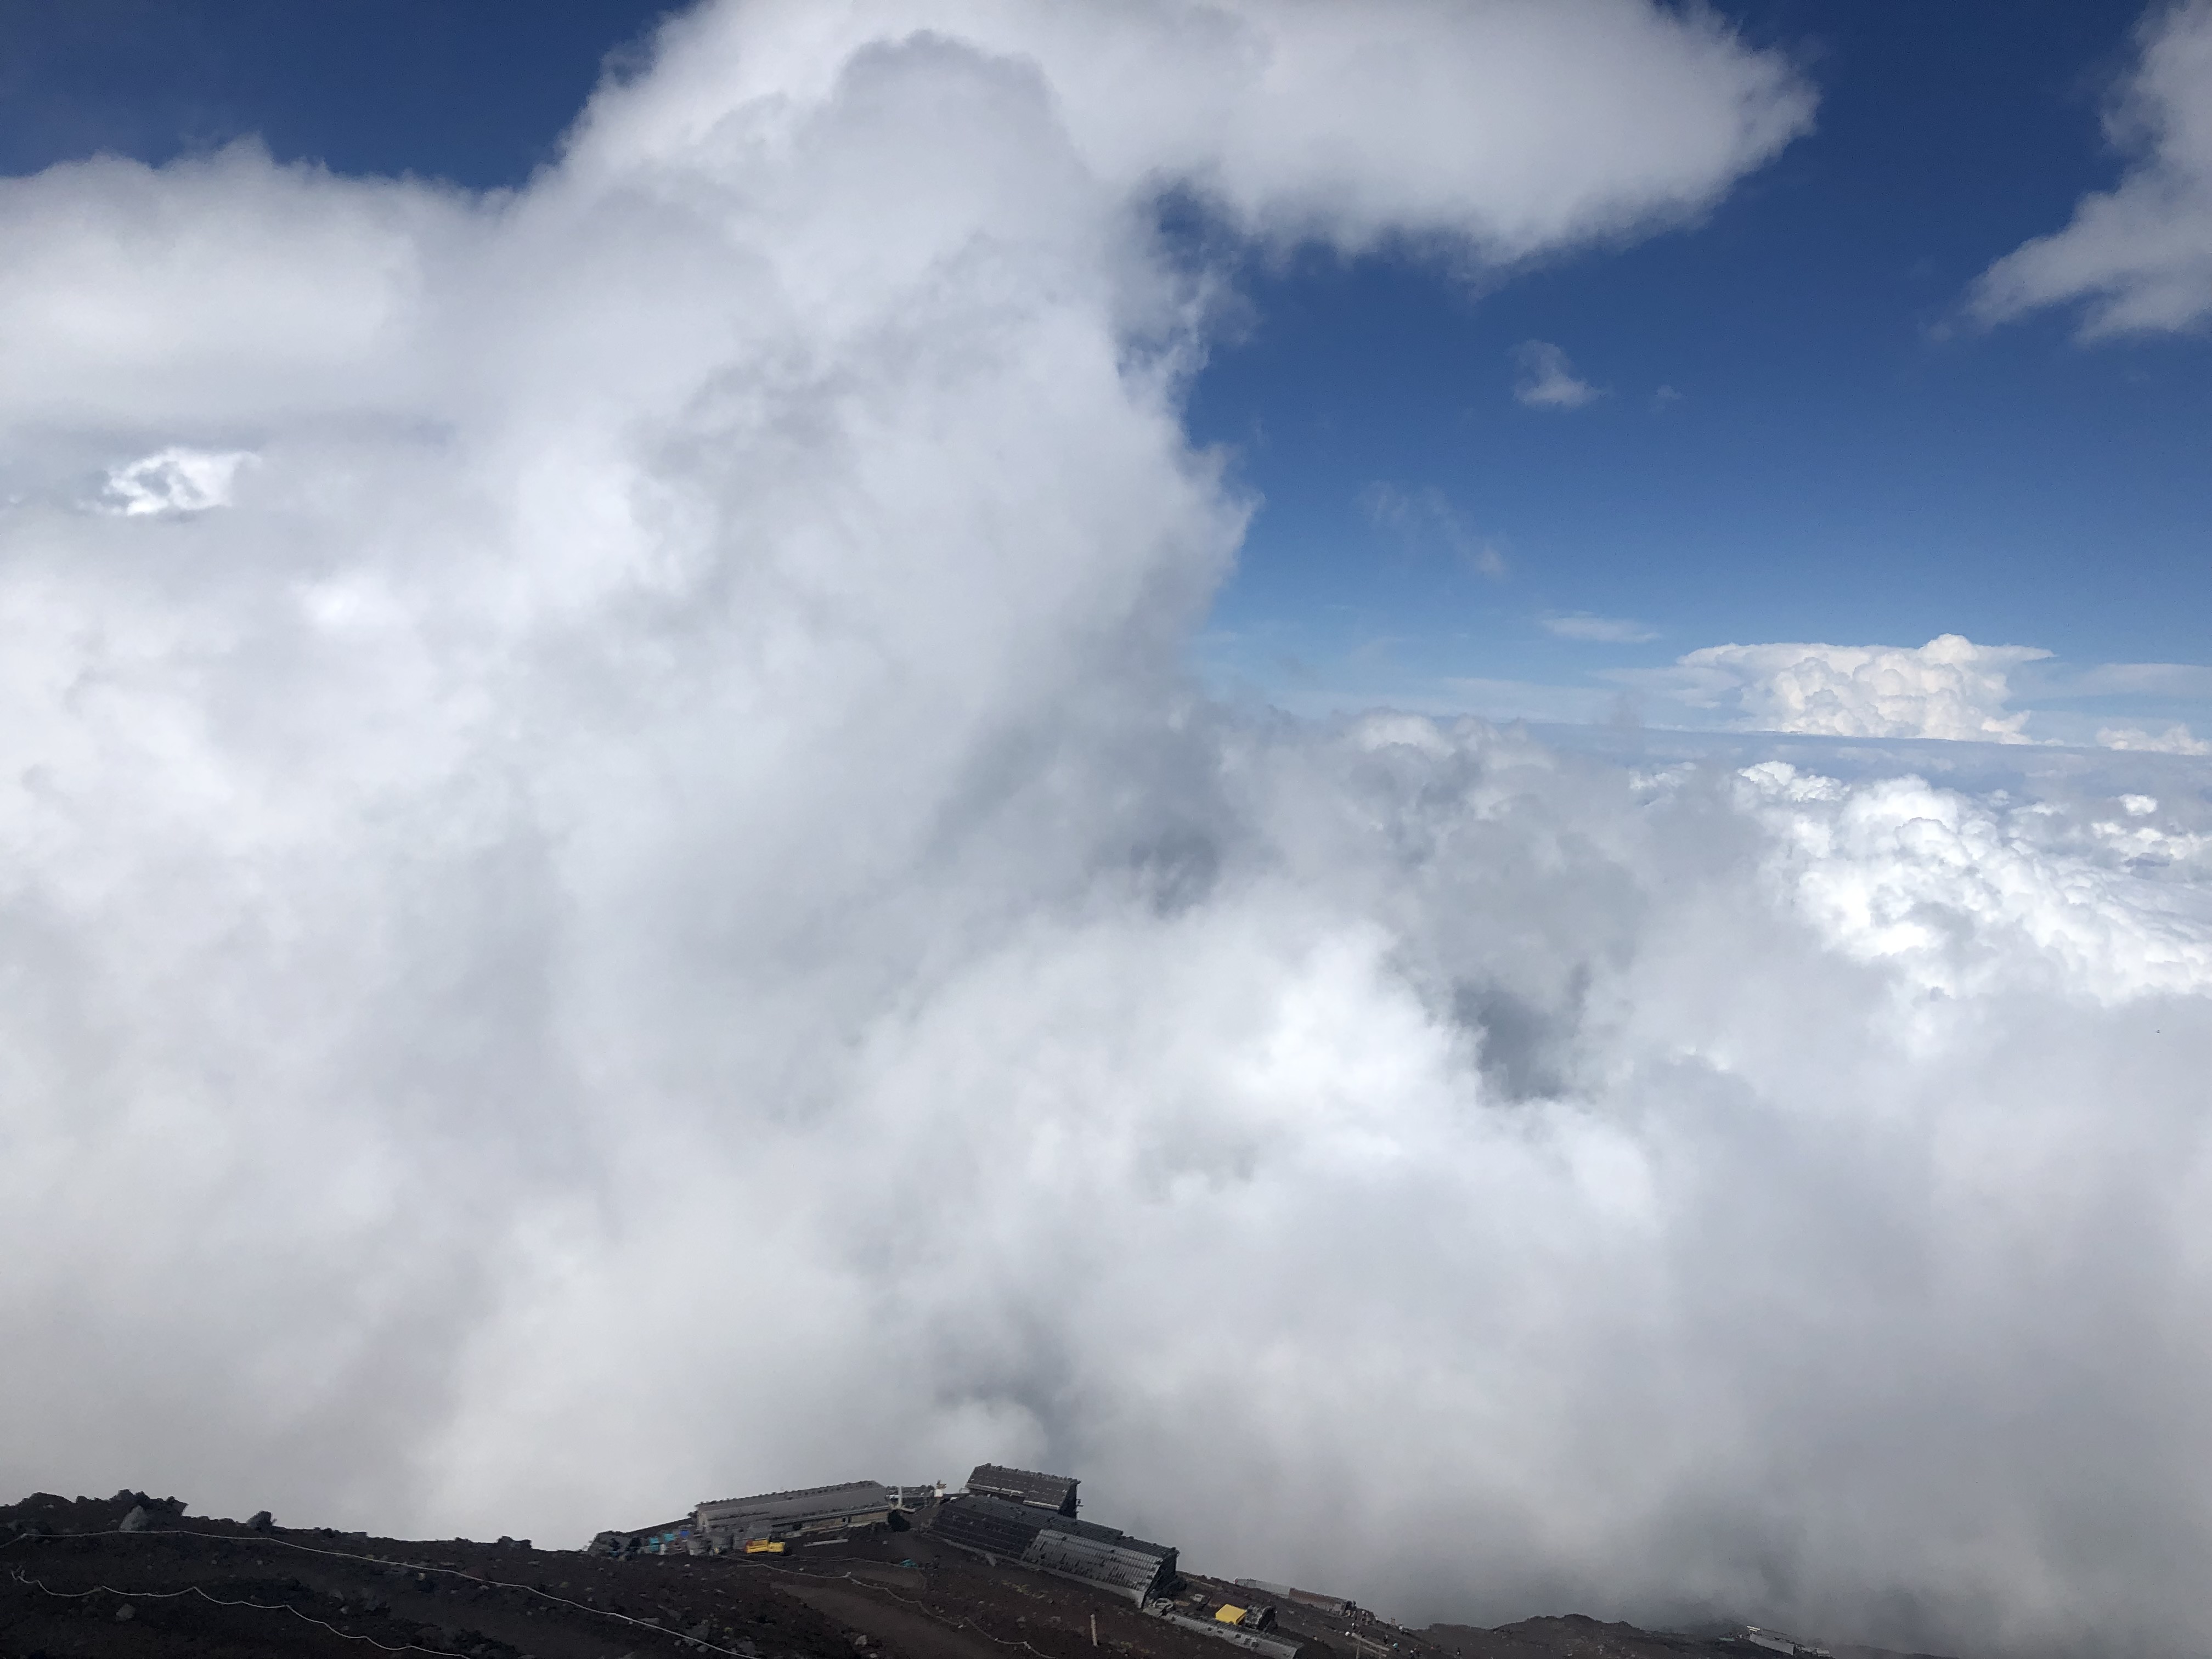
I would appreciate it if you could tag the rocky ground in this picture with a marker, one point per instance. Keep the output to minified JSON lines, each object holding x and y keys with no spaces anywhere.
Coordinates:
{"x":132,"y":1577}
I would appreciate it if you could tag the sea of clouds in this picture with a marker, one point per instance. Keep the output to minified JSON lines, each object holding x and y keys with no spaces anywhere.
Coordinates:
{"x":617,"y":889}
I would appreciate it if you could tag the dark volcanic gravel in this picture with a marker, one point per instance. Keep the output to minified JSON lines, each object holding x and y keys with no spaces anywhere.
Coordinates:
{"x":133,"y":1578}
{"x":72,"y":1583}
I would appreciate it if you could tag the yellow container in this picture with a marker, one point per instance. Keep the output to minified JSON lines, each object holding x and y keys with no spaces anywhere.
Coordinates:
{"x":765,"y":1546}
{"x":1228,"y":1615}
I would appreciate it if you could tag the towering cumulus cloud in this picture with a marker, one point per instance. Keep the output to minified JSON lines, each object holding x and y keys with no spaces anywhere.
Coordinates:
{"x":613,"y":888}
{"x":1950,"y":688}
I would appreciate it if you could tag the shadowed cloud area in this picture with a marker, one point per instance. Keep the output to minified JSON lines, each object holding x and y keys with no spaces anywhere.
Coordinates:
{"x":616,"y":888}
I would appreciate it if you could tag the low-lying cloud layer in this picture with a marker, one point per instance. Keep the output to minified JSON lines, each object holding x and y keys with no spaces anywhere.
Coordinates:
{"x":2175,"y":739}
{"x":1949,"y":688}
{"x":639,"y":903}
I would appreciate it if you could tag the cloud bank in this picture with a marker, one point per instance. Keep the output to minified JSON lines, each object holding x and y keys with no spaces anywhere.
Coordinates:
{"x":2139,"y":255}
{"x":1949,"y":688}
{"x":2175,"y":739}
{"x":641,"y":905}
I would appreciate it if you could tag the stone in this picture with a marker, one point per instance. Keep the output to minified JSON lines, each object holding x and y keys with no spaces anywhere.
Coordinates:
{"x":125,"y":1614}
{"x":261,"y":1521}
{"x":141,"y":1519}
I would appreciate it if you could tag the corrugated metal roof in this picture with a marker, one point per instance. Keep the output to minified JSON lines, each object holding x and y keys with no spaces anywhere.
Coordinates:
{"x":797,"y":1491}
{"x":1272,"y":1647}
{"x":1137,"y":1573}
{"x":1049,"y":1492}
{"x":986,"y":1524}
{"x":780,"y":1510}
{"x":1053,"y":1543}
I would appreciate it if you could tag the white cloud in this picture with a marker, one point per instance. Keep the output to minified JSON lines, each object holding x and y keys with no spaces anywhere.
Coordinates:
{"x":1959,"y":894}
{"x":1582,"y":625}
{"x":656,"y":887}
{"x":2174,"y":740}
{"x":1546,"y":379}
{"x":214,"y":293}
{"x":1949,"y":688}
{"x":172,"y":480}
{"x":1307,"y":119}
{"x":2140,"y":254}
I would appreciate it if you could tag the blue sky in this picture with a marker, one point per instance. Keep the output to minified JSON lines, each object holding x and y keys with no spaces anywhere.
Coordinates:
{"x":1796,"y":435}
{"x":1845,"y":459}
